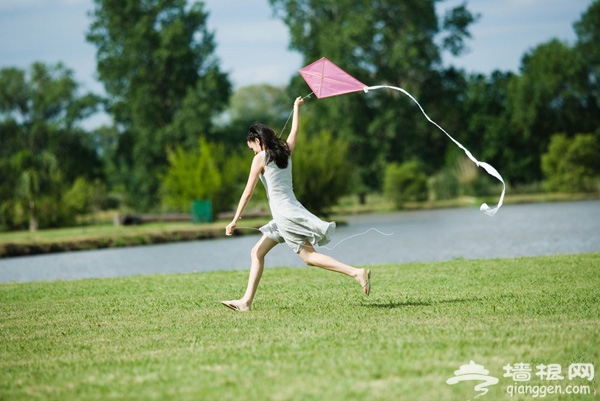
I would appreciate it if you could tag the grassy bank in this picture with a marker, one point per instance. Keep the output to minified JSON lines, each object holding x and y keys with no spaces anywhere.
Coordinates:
{"x":109,"y":236}
{"x":311,"y":336}
{"x":378,"y":203}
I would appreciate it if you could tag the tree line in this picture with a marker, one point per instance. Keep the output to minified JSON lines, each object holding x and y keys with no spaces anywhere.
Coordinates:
{"x":178,"y":127}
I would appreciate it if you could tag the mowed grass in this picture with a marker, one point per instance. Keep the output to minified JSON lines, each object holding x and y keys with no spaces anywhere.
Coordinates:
{"x":312,"y":334}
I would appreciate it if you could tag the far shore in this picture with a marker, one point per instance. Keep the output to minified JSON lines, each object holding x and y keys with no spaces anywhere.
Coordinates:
{"x":157,"y":231}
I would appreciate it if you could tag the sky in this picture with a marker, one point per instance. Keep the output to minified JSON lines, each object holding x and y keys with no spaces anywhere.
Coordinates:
{"x":252,"y":45}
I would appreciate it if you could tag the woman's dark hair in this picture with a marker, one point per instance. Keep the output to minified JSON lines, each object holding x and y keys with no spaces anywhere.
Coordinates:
{"x":276,"y":149}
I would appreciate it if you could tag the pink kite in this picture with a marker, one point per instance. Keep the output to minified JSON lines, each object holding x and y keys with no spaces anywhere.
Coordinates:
{"x":327,"y":79}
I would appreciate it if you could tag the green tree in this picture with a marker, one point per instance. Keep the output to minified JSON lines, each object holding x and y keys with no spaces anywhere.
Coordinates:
{"x":155,"y":59}
{"x":572,"y":165}
{"x":387,"y":42}
{"x":35,"y":179}
{"x":322,"y":171}
{"x":42,"y":110}
{"x":207,"y":172}
{"x":544,"y":99}
{"x":405,"y":182}
{"x":507,"y":119}
{"x":42,"y":145}
{"x":485,"y":127}
{"x":588,"y":37}
{"x":85,"y":197}
{"x":234,"y":167}
{"x":558,"y":91}
{"x":255,"y":103}
{"x":191,"y":175}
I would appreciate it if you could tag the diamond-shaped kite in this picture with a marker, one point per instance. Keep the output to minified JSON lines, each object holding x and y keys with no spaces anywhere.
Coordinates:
{"x":327,"y":79}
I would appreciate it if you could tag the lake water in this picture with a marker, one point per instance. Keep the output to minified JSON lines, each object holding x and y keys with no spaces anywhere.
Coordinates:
{"x":434,"y":235}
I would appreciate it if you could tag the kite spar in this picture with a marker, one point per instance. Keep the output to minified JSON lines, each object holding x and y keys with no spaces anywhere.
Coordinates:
{"x":327,"y":79}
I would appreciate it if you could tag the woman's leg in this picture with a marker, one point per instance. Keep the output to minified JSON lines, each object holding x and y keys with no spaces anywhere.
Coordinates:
{"x":262,"y":247}
{"x":313,"y":258}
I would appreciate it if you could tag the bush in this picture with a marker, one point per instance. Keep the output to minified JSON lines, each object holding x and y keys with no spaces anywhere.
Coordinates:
{"x":405,"y":182}
{"x":234,"y":168}
{"x":208,"y":173}
{"x":571,"y":164}
{"x":52,"y":212}
{"x":443,"y":186}
{"x":85,"y":197}
{"x":322,"y":171}
{"x":191,"y":175}
{"x":13,"y":216}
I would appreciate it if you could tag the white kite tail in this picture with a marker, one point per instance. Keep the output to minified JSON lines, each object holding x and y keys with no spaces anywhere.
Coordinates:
{"x":488,"y":168}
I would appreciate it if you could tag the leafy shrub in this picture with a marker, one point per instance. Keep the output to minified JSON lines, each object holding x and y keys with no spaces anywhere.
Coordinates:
{"x":13,"y":215}
{"x":52,"y":212}
{"x":443,"y":186}
{"x":207,"y":173}
{"x":461,"y":177}
{"x":405,"y":182}
{"x":322,"y":171}
{"x":234,"y":168}
{"x":571,"y":164}
{"x":191,"y":175}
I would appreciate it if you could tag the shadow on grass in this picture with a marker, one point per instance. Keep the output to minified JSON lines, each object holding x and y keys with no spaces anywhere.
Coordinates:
{"x":410,"y":303}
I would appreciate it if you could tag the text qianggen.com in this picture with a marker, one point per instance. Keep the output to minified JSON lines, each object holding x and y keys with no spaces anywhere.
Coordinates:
{"x":542,"y":391}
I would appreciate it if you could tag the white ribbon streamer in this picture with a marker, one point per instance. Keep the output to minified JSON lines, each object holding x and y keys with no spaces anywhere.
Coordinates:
{"x":488,"y":168}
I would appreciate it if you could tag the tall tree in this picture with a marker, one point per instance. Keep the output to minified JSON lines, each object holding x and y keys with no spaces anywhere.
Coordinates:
{"x":42,"y":110}
{"x":41,"y":139}
{"x":384,"y":42}
{"x":553,"y":94}
{"x":558,"y":90}
{"x":486,"y":127}
{"x":588,"y":37}
{"x":35,"y":179}
{"x":255,"y":103}
{"x":155,"y":59}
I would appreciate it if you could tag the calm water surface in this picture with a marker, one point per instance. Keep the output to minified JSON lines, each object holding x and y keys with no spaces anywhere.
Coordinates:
{"x":516,"y":230}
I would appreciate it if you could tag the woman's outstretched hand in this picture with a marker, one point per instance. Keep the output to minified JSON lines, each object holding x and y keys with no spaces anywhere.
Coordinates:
{"x":230,"y":228}
{"x":298,"y":102}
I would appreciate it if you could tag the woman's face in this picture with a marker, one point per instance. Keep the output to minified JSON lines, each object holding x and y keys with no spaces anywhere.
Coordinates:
{"x":255,"y":146}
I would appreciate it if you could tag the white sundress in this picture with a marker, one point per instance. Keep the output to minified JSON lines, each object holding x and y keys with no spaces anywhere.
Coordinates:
{"x":292,"y":222}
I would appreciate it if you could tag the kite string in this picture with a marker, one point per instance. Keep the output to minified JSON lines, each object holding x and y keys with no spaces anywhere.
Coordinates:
{"x":488,"y":168}
{"x":248,"y":228}
{"x":290,"y":115}
{"x":340,"y":241}
{"x":356,"y":235}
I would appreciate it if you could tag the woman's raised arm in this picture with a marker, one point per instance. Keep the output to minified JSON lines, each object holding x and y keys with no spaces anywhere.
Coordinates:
{"x":291,"y":141}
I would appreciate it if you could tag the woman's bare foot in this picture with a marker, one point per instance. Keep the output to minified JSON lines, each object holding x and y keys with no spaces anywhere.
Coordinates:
{"x":237,"y":305}
{"x":364,"y":279}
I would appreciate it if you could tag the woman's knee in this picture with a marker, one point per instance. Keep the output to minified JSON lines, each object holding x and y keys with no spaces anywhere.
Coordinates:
{"x":307,"y":257}
{"x":262,"y":247}
{"x":256,"y":253}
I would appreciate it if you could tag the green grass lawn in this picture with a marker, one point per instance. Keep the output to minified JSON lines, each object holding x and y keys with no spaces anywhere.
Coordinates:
{"x":312,"y":334}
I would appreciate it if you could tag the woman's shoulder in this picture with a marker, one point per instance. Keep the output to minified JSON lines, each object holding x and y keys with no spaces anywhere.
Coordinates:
{"x":260,"y":157}
{"x":258,"y":162}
